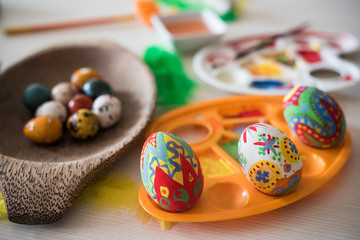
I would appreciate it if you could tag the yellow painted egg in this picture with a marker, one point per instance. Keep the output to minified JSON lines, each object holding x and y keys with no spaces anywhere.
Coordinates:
{"x":83,"y":124}
{"x":171,"y":172}
{"x":269,"y":159}
{"x":43,"y":129}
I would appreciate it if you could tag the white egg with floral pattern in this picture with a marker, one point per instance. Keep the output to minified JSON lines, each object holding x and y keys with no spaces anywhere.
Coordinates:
{"x":269,"y":159}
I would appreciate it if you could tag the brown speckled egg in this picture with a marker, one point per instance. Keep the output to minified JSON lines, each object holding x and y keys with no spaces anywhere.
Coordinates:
{"x":83,"y":75}
{"x":63,"y":92}
{"x":43,"y":129}
{"x":83,"y":124}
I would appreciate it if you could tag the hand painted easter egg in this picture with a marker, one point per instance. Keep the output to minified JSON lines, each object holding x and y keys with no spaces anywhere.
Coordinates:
{"x":108,"y":108}
{"x":171,"y":172}
{"x":96,"y":87}
{"x":63,"y":92}
{"x":314,"y":116}
{"x":82,"y":75}
{"x":43,"y":129}
{"x":34,"y":95}
{"x":83,"y":124}
{"x":52,"y":108}
{"x":269,"y":159}
{"x":79,"y":101}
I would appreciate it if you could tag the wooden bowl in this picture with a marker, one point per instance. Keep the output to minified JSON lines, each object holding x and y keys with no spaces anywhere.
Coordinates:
{"x":39,"y":182}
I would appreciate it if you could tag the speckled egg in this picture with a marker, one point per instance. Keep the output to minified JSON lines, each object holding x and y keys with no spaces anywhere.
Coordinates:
{"x":96,"y":87}
{"x":52,"y":108}
{"x":82,"y":75}
{"x":171,"y":172}
{"x":83,"y":124}
{"x":108,"y":108}
{"x":314,"y":116}
{"x":43,"y":129}
{"x":269,"y":159}
{"x":79,"y":101}
{"x":34,"y":95}
{"x":63,"y":92}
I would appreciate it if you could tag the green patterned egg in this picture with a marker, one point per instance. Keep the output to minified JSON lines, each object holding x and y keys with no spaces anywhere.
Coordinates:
{"x":314,"y":116}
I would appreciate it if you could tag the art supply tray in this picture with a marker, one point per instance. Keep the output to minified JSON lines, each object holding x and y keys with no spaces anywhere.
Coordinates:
{"x":212,"y":129}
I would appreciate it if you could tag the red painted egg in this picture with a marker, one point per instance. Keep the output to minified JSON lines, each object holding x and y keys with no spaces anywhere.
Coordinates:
{"x":79,"y":101}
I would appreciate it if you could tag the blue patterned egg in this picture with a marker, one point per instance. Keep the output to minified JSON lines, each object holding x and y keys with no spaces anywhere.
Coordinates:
{"x":269,"y":159}
{"x":171,"y":172}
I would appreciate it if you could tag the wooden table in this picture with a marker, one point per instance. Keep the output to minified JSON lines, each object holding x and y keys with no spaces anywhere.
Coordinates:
{"x":332,"y":212}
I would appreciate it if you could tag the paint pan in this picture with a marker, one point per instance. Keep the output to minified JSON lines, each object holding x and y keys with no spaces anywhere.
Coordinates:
{"x":189,"y":31}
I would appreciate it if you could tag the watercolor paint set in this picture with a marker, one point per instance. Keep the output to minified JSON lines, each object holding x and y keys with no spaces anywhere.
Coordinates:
{"x":306,"y":58}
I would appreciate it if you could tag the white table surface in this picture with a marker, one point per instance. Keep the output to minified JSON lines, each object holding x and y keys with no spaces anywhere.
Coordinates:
{"x":332,"y":212}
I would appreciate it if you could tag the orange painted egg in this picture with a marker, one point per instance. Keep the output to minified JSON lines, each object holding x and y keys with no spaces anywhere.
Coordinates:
{"x":269,"y":159}
{"x":171,"y":172}
{"x":83,"y":75}
{"x":43,"y":129}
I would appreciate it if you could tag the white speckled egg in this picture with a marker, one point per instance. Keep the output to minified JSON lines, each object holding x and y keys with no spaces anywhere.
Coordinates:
{"x":63,"y":92}
{"x":108,"y":109}
{"x":269,"y":159}
{"x":52,"y":108}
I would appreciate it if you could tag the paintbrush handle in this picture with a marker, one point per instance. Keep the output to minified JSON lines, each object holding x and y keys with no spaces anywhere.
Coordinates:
{"x":63,"y":25}
{"x":269,"y":40}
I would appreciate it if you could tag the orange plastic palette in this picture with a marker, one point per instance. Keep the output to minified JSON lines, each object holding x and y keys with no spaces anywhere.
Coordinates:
{"x":212,"y":129}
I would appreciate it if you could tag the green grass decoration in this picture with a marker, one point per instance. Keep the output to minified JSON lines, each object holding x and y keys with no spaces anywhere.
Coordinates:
{"x":173,"y":85}
{"x":236,"y":10}
{"x":231,"y":148}
{"x":184,"y":5}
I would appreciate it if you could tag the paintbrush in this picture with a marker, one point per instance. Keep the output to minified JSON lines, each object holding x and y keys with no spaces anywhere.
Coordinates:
{"x":70,"y":24}
{"x":270,"y":40}
{"x":144,"y":9}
